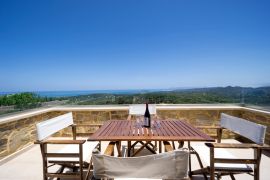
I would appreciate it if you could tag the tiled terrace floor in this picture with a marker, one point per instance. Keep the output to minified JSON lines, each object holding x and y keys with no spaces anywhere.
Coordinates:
{"x":28,"y":165}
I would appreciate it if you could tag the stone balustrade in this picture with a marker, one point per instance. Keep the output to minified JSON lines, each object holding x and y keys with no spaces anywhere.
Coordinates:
{"x":18,"y":131}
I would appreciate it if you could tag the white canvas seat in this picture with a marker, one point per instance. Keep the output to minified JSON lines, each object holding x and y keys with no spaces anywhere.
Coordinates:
{"x":71,"y":148}
{"x":169,"y":165}
{"x":204,"y":153}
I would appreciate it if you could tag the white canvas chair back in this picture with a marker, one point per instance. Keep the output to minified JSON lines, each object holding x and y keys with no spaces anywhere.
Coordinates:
{"x":169,"y":165}
{"x":250,"y":130}
{"x":51,"y":126}
{"x":139,"y":109}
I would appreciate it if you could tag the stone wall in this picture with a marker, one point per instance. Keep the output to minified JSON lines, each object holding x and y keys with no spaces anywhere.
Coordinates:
{"x":197,"y":117}
{"x":18,"y":134}
{"x":91,"y":117}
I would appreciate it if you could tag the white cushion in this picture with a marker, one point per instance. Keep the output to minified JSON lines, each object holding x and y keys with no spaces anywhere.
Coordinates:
{"x":139,"y":109}
{"x":248,"y":129}
{"x":169,"y":165}
{"x":74,"y":148}
{"x":51,"y":126}
{"x":204,"y":153}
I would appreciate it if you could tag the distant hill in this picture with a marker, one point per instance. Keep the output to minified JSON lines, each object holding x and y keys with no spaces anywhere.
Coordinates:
{"x":259,"y":95}
{"x":243,"y":95}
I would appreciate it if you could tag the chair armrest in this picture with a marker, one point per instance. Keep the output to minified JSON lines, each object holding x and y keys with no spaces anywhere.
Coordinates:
{"x":238,"y":146}
{"x":88,"y":125}
{"x":218,"y":129}
{"x":209,"y":127}
{"x":61,"y":142}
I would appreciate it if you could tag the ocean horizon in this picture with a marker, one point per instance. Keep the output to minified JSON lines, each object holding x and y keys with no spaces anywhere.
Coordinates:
{"x":83,"y":92}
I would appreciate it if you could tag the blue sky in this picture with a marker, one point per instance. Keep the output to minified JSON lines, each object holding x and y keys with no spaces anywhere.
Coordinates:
{"x":140,"y":44}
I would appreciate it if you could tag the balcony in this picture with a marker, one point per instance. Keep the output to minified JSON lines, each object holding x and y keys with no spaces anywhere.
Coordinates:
{"x":17,"y":131}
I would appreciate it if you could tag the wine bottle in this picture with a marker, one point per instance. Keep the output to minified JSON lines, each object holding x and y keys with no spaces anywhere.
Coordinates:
{"x":147,"y":117}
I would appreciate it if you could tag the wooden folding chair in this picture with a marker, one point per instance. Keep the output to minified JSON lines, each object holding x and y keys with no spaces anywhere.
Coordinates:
{"x":219,"y":161}
{"x":74,"y":154}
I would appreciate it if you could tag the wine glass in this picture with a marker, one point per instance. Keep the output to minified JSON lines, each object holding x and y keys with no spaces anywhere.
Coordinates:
{"x":153,"y":123}
{"x":138,"y":122}
{"x":158,"y":123}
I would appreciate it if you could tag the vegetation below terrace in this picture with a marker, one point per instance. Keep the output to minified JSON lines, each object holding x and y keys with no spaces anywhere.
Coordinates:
{"x":21,"y":101}
{"x":255,"y":96}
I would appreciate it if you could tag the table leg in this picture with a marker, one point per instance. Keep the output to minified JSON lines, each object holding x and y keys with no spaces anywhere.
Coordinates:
{"x":160,"y":146}
{"x":99,"y":147}
{"x":189,"y":158}
{"x":129,"y":148}
{"x":181,"y":144}
{"x":173,"y":145}
{"x":144,"y":145}
{"x":118,"y":146}
{"x":151,"y":149}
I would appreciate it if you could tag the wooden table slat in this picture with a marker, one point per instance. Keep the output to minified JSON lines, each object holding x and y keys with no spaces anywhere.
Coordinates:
{"x":191,"y":129}
{"x":183,"y":128}
{"x":158,"y":130}
{"x":171,"y":128}
{"x":179,"y":130}
{"x":100,"y":131}
{"x":168,"y":130}
{"x":111,"y":129}
{"x":163,"y":129}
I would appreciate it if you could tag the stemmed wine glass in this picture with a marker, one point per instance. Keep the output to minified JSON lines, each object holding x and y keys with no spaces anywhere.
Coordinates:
{"x":138,"y":123}
{"x":157,"y":122}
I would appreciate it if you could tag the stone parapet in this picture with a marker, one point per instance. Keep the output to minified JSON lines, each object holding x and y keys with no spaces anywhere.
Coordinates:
{"x":18,"y":131}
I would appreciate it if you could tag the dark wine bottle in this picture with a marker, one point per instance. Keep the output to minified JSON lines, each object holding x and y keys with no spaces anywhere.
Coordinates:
{"x":147,"y":117}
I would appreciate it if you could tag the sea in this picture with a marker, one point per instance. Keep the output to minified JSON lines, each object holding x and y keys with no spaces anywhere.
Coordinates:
{"x":86,"y":92}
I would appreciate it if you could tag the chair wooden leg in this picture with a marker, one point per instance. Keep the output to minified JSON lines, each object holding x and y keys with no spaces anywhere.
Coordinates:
{"x":212,"y":167}
{"x":257,"y":156}
{"x":205,"y":176}
{"x":81,"y":161}
{"x":232,"y":176}
{"x":43,"y":148}
{"x":88,"y":170}
{"x":192,"y":151}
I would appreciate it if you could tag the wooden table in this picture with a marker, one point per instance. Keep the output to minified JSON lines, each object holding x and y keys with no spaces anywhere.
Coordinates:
{"x":165,"y":130}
